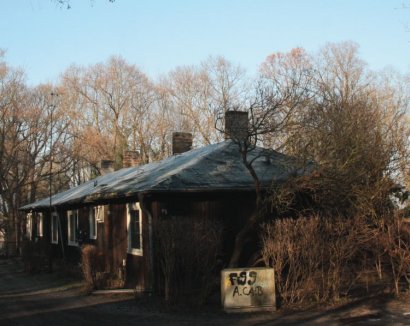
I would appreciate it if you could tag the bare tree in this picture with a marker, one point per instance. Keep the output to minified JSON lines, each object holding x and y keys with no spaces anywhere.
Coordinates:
{"x":355,"y":129}
{"x":280,"y":95}
{"x":113,"y":103}
{"x":228,"y":82}
{"x":198,"y":94}
{"x":331,"y":110}
{"x":354,"y":126}
{"x":25,"y":148}
{"x":12,"y":97}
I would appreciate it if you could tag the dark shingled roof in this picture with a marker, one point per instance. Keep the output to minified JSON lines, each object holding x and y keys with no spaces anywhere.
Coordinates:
{"x":215,"y":167}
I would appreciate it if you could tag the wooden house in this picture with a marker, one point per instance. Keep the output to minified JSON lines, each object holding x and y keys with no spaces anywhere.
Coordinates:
{"x":117,"y":211}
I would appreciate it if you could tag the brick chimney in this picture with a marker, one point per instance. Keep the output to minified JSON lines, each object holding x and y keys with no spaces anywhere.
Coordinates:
{"x":181,"y":142}
{"x":236,"y":125}
{"x":131,"y":158}
{"x":106,"y":166}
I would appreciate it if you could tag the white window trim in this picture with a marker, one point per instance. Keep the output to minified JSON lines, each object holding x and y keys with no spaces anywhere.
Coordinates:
{"x":40,"y":224}
{"x":133,"y":251}
{"x":75,"y":242}
{"x":96,"y":211}
{"x":55,"y":241}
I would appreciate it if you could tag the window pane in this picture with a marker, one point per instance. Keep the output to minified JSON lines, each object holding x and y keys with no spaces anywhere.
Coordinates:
{"x":71,"y":218}
{"x":72,"y":227}
{"x":135,"y":230}
{"x":93,"y":213}
{"x":40,"y":224}
{"x":75,"y":226}
{"x":54,"y":230}
{"x":28,"y":225}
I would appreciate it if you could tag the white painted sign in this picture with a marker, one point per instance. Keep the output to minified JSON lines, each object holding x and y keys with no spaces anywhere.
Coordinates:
{"x":248,"y":289}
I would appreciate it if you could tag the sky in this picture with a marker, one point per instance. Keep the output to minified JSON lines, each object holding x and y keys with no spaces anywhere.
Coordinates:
{"x":44,"y":38}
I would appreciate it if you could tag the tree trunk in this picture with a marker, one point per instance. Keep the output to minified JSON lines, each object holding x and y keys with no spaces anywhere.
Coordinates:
{"x":255,"y":219}
{"x":241,"y":238}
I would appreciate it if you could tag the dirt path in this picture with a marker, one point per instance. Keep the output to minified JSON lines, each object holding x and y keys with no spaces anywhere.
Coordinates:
{"x":43,"y":298}
{"x":47,"y":299}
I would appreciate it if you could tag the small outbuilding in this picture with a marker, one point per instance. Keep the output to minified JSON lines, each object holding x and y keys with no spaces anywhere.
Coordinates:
{"x":117,"y":211}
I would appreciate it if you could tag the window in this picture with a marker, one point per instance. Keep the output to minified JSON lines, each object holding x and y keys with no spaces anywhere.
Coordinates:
{"x":40,"y":224}
{"x":93,"y":215}
{"x":54,"y":228}
{"x":134,"y":228}
{"x":72,"y":228}
{"x":29,"y":220}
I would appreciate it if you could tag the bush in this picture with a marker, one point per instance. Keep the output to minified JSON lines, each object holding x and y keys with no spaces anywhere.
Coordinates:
{"x":187,"y":250}
{"x":320,"y":259}
{"x":391,"y":248}
{"x":91,"y":266}
{"x":308,"y":257}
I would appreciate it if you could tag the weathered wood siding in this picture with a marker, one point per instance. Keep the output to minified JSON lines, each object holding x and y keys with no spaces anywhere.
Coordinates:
{"x":229,"y":209}
{"x":118,"y":234}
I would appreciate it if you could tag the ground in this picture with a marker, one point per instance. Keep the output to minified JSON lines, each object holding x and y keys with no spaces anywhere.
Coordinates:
{"x":50,"y":299}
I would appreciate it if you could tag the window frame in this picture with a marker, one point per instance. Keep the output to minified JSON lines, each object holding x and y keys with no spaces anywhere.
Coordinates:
{"x":70,"y":233}
{"x":54,"y":220}
{"x":134,"y":251}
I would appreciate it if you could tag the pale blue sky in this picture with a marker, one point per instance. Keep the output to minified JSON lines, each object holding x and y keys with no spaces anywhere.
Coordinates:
{"x":159,"y":35}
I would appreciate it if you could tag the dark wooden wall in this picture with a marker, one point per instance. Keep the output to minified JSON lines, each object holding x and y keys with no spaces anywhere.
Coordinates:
{"x":229,"y":209}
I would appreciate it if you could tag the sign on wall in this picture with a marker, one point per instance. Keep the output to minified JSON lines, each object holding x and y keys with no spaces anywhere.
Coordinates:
{"x":248,"y":289}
